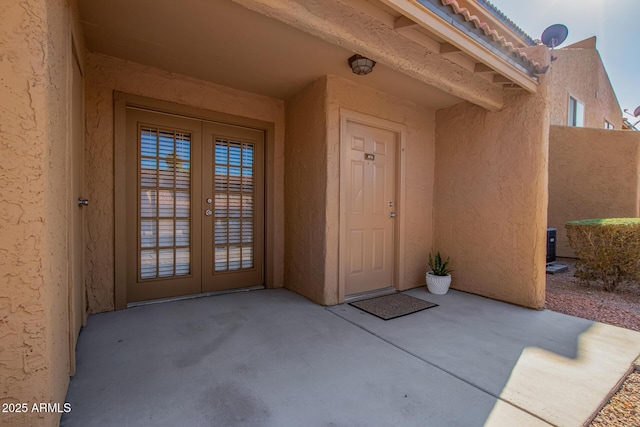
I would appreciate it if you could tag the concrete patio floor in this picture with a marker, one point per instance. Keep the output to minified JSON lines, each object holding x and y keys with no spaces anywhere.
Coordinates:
{"x":273,"y":358}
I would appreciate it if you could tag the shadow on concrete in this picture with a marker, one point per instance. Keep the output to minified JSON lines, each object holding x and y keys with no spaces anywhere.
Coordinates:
{"x":272,"y":358}
{"x":555,"y":367}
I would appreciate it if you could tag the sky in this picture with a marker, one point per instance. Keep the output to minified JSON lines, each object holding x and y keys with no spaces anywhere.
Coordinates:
{"x":615,"y":23}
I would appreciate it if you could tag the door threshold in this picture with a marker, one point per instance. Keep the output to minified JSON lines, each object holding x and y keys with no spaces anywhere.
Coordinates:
{"x":193,"y":296}
{"x":370,"y":294}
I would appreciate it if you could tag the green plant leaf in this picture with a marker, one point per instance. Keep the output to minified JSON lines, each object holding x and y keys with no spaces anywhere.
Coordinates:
{"x":438,"y":267}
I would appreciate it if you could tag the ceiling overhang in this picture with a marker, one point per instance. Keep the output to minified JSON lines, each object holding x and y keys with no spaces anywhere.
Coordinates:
{"x":277,"y":47}
{"x":228,"y":44}
{"x":356,"y":27}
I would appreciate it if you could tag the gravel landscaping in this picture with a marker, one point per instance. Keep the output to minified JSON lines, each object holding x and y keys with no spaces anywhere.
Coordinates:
{"x":624,"y":407}
{"x":566,"y":294}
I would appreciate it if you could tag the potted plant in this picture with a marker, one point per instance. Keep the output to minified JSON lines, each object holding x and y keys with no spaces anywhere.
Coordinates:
{"x":438,"y":279}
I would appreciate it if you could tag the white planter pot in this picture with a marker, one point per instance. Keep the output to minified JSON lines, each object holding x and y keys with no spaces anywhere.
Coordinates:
{"x":438,"y":285}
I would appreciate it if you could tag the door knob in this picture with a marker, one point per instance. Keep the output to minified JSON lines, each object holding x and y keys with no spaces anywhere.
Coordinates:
{"x":83,"y":202}
{"x":208,"y":212}
{"x":392,"y":214}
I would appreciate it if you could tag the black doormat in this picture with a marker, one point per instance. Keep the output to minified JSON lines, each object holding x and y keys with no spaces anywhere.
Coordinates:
{"x":391,"y":306}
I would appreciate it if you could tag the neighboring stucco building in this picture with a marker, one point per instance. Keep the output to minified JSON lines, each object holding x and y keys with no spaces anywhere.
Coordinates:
{"x":593,"y":173}
{"x":594,"y":163}
{"x":229,"y":145}
{"x":580,"y":90}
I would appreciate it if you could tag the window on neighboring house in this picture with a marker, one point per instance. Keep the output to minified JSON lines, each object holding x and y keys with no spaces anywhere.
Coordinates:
{"x":608,"y":125}
{"x":576,"y":112}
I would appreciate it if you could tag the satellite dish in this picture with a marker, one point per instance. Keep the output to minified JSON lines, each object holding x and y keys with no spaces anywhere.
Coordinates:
{"x":636,"y":112}
{"x":554,"y":35}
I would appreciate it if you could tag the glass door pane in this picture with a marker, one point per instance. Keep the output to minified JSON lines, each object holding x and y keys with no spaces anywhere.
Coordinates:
{"x":233,"y":191}
{"x":233,"y":236}
{"x":164,"y":188}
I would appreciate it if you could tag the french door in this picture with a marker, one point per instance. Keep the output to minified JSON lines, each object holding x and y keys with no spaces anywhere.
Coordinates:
{"x":195,"y":206}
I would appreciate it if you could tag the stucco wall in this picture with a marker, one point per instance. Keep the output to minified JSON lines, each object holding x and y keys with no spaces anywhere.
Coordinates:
{"x":106,"y":74}
{"x":490,"y":204}
{"x":593,"y":173}
{"x":313,"y":182}
{"x":305,"y":192}
{"x":419,"y":170}
{"x":35,"y":207}
{"x":580,"y":73}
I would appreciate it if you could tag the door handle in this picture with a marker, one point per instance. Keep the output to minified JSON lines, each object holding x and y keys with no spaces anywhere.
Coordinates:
{"x":392,"y":214}
{"x":83,"y":202}
{"x":208,"y":212}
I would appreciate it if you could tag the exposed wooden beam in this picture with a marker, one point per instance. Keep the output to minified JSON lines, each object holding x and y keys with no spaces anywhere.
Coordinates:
{"x":449,"y":48}
{"x":502,"y":80}
{"x":432,"y":22}
{"x":403,"y":22}
{"x":414,"y":34}
{"x":482,"y":68}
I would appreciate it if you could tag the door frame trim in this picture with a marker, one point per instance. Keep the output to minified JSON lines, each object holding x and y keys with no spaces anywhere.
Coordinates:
{"x":124,"y":100}
{"x":400,"y":130}
{"x":71,"y":197}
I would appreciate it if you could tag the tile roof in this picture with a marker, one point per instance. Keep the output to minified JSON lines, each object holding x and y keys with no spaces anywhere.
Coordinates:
{"x":508,"y":22}
{"x":519,"y":52}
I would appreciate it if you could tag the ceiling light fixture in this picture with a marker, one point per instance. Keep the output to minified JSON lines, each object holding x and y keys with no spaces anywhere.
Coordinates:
{"x":361,"y":65}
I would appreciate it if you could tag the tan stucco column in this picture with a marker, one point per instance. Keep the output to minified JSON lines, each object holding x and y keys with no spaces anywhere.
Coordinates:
{"x":490,"y":207}
{"x":34,"y":209}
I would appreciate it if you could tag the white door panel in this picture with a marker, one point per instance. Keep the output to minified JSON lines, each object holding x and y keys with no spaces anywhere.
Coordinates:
{"x":369,"y":159}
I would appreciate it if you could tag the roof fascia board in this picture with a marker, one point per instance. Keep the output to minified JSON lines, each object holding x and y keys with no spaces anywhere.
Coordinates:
{"x":436,"y":20}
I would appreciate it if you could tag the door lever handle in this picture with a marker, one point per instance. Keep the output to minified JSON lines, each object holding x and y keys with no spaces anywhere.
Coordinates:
{"x":83,"y":202}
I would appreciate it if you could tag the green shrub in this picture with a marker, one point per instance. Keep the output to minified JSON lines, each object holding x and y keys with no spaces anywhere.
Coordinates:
{"x":607,"y":249}
{"x":438,"y":267}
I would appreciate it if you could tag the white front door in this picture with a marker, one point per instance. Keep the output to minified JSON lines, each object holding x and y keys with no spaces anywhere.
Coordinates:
{"x":368,"y":159}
